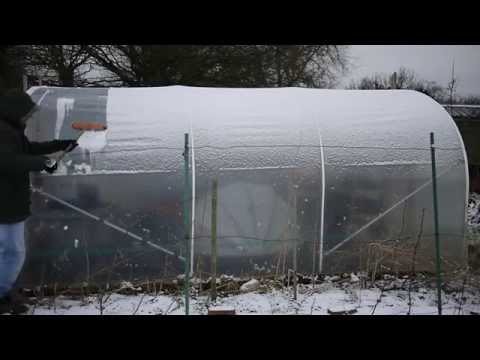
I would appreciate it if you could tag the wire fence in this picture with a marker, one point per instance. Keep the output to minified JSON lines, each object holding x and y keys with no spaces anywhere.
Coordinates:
{"x":176,"y":251}
{"x":269,"y":146}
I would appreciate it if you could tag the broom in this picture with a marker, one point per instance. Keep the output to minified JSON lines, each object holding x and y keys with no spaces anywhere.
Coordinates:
{"x":82,"y":127}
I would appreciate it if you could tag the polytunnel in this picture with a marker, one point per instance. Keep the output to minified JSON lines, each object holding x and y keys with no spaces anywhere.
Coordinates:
{"x":337,"y":180}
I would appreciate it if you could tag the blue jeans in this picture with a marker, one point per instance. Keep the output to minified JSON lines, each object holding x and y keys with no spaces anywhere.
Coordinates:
{"x":12,"y":254}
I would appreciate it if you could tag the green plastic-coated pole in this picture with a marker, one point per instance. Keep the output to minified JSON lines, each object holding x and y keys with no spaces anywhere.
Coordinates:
{"x":186,"y":223}
{"x":214,"y":239}
{"x":435,"y":215}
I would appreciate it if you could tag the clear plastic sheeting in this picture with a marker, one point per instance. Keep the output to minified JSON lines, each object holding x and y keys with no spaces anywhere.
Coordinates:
{"x":342,"y":177}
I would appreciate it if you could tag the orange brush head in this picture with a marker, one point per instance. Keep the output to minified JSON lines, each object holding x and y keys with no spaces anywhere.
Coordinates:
{"x":88,"y":126}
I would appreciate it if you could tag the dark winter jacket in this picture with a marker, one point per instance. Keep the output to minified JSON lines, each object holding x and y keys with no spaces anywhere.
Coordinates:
{"x":18,"y":156}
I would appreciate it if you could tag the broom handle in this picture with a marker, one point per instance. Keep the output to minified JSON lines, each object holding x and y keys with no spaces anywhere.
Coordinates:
{"x":64,"y":152}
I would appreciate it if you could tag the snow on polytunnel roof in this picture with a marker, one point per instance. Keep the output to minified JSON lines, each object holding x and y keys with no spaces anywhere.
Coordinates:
{"x":146,"y":119}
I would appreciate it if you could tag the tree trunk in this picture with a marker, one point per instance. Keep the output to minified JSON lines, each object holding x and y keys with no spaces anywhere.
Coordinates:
{"x":66,"y":78}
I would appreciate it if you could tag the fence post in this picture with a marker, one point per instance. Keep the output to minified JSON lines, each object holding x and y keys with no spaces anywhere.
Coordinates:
{"x":214,"y":240}
{"x":295,"y":244}
{"x":435,"y":215}
{"x":186,"y":223}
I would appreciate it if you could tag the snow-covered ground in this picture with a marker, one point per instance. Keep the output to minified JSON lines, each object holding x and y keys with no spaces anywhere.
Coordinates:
{"x":324,"y":299}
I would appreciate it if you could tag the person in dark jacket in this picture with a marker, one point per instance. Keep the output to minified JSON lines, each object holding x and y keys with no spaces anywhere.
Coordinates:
{"x":18,"y":157}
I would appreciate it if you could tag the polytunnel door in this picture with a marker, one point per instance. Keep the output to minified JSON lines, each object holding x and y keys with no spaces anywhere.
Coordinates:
{"x":262,"y":216}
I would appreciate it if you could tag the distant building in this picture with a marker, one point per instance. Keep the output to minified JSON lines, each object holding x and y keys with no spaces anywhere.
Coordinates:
{"x":467,"y":118}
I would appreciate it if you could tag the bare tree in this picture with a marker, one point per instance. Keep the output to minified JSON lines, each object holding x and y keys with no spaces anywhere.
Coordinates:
{"x":452,"y":85}
{"x":151,"y":65}
{"x":61,"y":65}
{"x":117,"y":60}
{"x":195,"y":65}
{"x":10,"y":68}
{"x":308,"y":65}
{"x":222,"y":65}
{"x":402,"y":79}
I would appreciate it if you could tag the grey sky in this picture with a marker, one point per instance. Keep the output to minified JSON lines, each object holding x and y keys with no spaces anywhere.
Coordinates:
{"x":430,"y":62}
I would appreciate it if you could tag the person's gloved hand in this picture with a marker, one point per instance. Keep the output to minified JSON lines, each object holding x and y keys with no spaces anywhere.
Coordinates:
{"x":50,"y":166}
{"x":68,"y":145}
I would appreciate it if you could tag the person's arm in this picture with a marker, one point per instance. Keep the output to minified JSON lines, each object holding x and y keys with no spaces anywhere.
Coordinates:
{"x":12,"y":162}
{"x":48,"y":147}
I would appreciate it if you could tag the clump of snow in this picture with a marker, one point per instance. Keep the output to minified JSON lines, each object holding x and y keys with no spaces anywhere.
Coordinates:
{"x":93,"y":141}
{"x":62,"y":168}
{"x":64,"y":108}
{"x":249,"y":286}
{"x":225,"y":277}
{"x":83,"y":168}
{"x":127,"y":287}
{"x":396,"y":284}
{"x":332,"y":278}
{"x":354,"y":278}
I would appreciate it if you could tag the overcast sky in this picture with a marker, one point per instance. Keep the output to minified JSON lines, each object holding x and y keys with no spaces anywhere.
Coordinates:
{"x":430,"y":62}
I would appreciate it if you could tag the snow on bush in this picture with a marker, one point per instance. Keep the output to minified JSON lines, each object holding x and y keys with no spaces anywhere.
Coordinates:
{"x":473,"y":212}
{"x":251,"y":285}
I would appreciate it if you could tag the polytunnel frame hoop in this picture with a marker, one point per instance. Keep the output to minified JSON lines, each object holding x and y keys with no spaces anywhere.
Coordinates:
{"x":192,"y":222}
{"x":322,"y":203}
{"x":467,"y":177}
